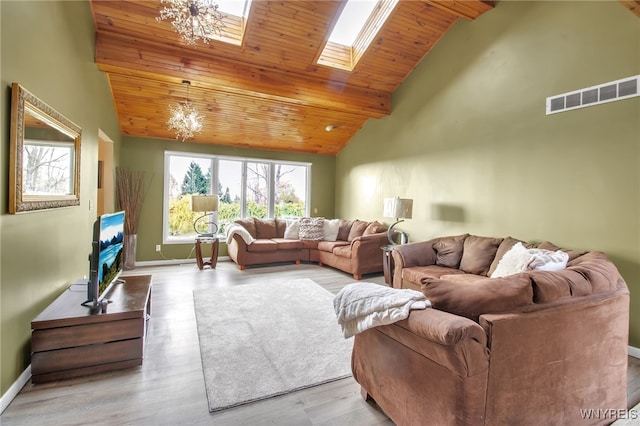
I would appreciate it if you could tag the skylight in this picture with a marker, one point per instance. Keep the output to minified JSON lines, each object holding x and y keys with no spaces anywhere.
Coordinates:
{"x":351,"y":21}
{"x":234,"y":7}
{"x":236,"y":13}
{"x":354,"y":31}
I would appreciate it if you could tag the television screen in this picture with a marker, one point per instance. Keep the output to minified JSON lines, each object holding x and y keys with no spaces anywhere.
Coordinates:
{"x":110,"y":256}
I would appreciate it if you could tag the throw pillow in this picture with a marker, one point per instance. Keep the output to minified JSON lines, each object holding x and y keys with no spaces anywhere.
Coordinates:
{"x":449,"y":250}
{"x":331,"y":229}
{"x":345,"y":228}
{"x":357,"y":229}
{"x":292,"y":231}
{"x":504,"y":247}
{"x":312,"y":228}
{"x":478,"y":253}
{"x":265,"y":228}
{"x":516,"y":260}
{"x":374,"y":227}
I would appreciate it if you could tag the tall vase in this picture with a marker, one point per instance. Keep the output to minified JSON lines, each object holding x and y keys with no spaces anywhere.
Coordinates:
{"x":130,"y":251}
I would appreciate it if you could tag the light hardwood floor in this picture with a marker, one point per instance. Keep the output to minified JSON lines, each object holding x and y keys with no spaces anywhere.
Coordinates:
{"x":168,"y":389}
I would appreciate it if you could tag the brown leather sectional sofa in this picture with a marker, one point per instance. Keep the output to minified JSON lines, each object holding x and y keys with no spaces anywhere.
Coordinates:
{"x":355,"y":251}
{"x":533,"y":348}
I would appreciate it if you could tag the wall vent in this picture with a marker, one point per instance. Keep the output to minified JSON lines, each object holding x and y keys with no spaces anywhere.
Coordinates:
{"x":595,"y":95}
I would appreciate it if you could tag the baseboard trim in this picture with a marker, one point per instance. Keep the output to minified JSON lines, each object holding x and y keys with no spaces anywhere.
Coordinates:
{"x":634,"y":352}
{"x":15,"y":389}
{"x":167,"y":262}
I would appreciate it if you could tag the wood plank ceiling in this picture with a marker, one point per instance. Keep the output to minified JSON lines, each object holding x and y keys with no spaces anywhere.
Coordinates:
{"x":269,"y":92}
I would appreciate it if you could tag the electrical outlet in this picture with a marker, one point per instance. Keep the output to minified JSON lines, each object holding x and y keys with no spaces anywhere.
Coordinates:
{"x":158,"y":248}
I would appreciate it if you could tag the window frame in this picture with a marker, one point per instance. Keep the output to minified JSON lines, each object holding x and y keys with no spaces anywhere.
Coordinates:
{"x":215,"y":158}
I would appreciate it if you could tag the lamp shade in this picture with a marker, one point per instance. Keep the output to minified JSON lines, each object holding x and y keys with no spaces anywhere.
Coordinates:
{"x":204,"y":203}
{"x":398,"y":207}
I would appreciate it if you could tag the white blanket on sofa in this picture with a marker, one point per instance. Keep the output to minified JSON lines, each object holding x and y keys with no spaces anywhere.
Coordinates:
{"x":234,"y":228}
{"x":361,"y":305}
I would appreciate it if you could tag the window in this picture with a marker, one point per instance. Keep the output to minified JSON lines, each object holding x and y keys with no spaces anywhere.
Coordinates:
{"x":235,"y":14}
{"x":245,"y":187}
{"x":357,"y":25}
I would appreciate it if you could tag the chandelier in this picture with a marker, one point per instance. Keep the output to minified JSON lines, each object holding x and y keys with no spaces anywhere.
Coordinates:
{"x":184,"y":118}
{"x":193,"y":19}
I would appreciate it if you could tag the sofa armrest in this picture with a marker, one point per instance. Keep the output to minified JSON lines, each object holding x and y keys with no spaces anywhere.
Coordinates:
{"x":420,"y":253}
{"x":366,"y":247}
{"x":454,"y":342}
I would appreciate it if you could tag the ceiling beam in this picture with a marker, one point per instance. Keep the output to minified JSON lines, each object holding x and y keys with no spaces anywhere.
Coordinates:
{"x":123,"y":54}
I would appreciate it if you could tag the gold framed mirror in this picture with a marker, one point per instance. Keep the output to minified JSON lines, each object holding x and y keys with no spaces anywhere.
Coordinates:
{"x":44,"y":158}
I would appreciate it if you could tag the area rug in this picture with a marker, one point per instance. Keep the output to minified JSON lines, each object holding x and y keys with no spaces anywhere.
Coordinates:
{"x":262,"y":340}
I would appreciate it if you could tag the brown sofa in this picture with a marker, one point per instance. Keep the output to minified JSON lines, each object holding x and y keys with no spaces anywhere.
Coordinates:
{"x":356,"y":249}
{"x":533,"y":348}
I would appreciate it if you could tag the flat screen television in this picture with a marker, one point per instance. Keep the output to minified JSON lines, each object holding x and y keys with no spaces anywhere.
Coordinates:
{"x":107,"y":257}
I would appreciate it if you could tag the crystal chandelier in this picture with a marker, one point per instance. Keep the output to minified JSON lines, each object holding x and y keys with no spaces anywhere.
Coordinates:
{"x":193,"y":19}
{"x":184,"y":118}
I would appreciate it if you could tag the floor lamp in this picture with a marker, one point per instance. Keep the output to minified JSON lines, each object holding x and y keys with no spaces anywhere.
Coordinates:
{"x":400,"y":208}
{"x":207,"y":204}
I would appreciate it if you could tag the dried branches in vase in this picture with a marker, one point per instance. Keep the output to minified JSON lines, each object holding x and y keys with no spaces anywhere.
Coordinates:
{"x":130,"y":192}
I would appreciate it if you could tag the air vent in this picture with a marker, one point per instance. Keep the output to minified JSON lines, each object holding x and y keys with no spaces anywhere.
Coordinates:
{"x":594,"y":95}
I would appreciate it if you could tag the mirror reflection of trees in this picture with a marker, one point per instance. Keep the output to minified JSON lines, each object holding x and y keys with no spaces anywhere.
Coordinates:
{"x":47,"y":168}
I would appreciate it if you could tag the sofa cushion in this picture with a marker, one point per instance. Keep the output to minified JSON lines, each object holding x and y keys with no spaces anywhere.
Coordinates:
{"x":262,"y":245}
{"x":357,"y":229}
{"x":331,"y":229}
{"x":415,"y":274}
{"x":328,"y":246}
{"x":281,"y":226}
{"x":310,"y":244}
{"x":550,"y":286}
{"x":312,"y":228}
{"x":265,"y":228}
{"x":345,"y":228}
{"x":462,"y":278}
{"x":449,"y":250}
{"x":478,"y":253}
{"x":287,"y":244}
{"x":483,"y":296}
{"x":374,"y":227}
{"x":343,"y":251}
{"x":292,"y":229}
{"x":249,"y":225}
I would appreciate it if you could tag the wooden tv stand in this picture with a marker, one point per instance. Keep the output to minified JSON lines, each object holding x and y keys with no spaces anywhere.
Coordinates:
{"x":70,"y":340}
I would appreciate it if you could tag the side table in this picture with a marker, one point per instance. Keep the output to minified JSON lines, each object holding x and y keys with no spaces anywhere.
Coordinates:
{"x":214,"y":252}
{"x":387,"y":264}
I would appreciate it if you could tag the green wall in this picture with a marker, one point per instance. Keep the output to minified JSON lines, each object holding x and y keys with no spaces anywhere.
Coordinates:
{"x":47,"y":47}
{"x":469,"y":141}
{"x":147,"y":155}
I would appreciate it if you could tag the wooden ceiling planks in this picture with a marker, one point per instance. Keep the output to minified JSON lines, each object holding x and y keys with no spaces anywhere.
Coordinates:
{"x":268,"y":92}
{"x":632,"y":5}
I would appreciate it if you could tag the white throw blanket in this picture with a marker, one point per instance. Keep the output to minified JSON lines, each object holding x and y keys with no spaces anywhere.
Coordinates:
{"x":234,"y":228}
{"x":363,"y":305}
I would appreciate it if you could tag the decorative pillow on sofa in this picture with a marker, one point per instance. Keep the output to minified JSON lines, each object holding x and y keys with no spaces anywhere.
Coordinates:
{"x":331,"y":229}
{"x":504,"y":247}
{"x":449,"y":250}
{"x":516,"y":260}
{"x":312,"y":228}
{"x":374,"y":227}
{"x":478,"y":253}
{"x":520,"y":259}
{"x":357,"y":229}
{"x":265,"y":228}
{"x":292,"y":231}
{"x":484,"y":296}
{"x":345,"y":228}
